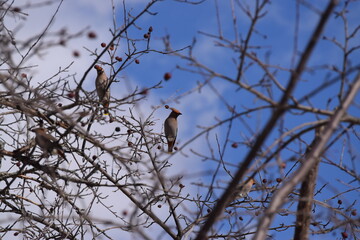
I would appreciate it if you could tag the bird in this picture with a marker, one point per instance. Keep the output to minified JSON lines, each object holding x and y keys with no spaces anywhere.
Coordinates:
{"x":47,"y":142}
{"x":244,"y":188}
{"x":171,"y":128}
{"x":102,"y":88}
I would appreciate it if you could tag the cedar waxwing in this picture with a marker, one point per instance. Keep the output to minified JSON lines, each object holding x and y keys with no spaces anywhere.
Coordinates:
{"x":171,"y":128}
{"x":243,"y":189}
{"x":102,"y":88}
{"x":47,"y":143}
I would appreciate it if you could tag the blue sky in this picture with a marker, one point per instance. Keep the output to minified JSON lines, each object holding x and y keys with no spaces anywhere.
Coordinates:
{"x":182,"y":22}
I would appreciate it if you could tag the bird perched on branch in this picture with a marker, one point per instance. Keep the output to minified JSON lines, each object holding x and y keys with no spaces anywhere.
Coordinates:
{"x":171,"y":128}
{"x":47,"y":143}
{"x":102,"y":88}
{"x":244,"y":188}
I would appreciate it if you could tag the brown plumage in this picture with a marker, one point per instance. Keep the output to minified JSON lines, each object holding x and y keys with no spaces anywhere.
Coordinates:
{"x":102,"y":88}
{"x":171,"y":128}
{"x":244,"y":188}
{"x":47,"y":143}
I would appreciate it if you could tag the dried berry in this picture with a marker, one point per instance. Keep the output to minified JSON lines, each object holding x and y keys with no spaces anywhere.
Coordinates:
{"x":103,"y":44}
{"x":167,"y":76}
{"x":76,"y":53}
{"x":92,"y":35}
{"x":146,"y":35}
{"x":234,"y":145}
{"x":167,"y":106}
{"x":117,"y":129}
{"x":17,"y":9}
{"x":144,"y":91}
{"x":279,"y":180}
{"x":71,"y":94}
{"x":62,"y":42}
{"x":150,"y":29}
{"x":137,"y":61}
{"x":119,"y":59}
{"x":264,"y":180}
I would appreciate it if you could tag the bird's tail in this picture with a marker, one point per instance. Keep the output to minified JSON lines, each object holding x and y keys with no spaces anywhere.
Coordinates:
{"x":106,"y":107}
{"x":170,"y":146}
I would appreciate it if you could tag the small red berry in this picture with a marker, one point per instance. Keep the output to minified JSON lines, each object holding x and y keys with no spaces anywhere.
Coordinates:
{"x":94,"y":157}
{"x":279,"y":180}
{"x":18,"y":164}
{"x":103,"y":44}
{"x":146,"y":36}
{"x":181,"y":185}
{"x":76,"y":53}
{"x":159,"y":147}
{"x":234,"y":145}
{"x":137,"y":61}
{"x":167,"y":106}
{"x":112,"y":47}
{"x":344,"y":235}
{"x":130,"y":144}
{"x":117,"y":129}
{"x":71,"y":94}
{"x":353,"y":212}
{"x":23,"y":75}
{"x":175,"y":148}
{"x":59,"y":104}
{"x":62,"y":42}
{"x":124,"y":212}
{"x":119,"y":59}
{"x":144,"y":91}
{"x":339,"y":201}
{"x":167,"y":76}
{"x":92,"y":35}
{"x":159,"y":206}
{"x":17,"y":9}
{"x":264,"y":180}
